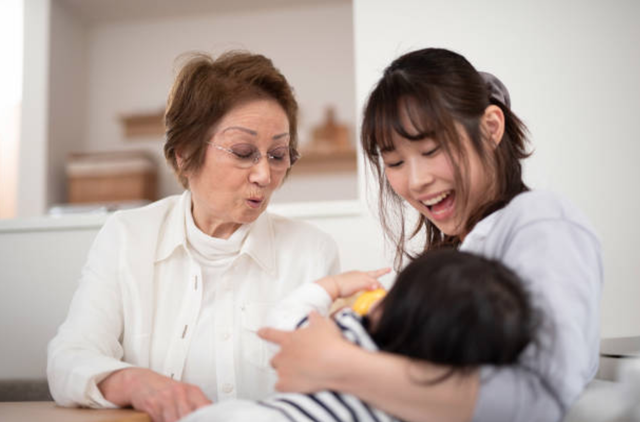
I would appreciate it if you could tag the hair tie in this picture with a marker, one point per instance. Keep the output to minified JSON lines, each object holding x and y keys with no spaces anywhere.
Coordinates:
{"x":497,"y":90}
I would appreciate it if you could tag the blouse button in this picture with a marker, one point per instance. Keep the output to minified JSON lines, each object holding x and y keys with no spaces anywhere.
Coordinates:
{"x":227,"y":388}
{"x":226,"y":336}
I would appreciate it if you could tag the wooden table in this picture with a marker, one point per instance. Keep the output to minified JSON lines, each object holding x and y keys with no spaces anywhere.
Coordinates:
{"x":47,"y":411}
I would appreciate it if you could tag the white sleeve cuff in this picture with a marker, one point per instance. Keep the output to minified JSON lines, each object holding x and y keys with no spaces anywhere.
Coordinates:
{"x":79,"y":385}
{"x":94,"y":396}
{"x":314,"y":297}
{"x":286,"y":314}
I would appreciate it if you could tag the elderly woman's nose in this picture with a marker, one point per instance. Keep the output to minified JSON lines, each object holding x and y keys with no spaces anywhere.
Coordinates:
{"x":260,"y":173}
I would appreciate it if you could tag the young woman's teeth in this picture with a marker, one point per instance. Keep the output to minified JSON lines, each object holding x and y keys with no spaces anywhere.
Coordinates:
{"x":431,"y":202}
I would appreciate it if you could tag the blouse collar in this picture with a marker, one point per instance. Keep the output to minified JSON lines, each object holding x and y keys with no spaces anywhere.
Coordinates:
{"x":258,"y":244}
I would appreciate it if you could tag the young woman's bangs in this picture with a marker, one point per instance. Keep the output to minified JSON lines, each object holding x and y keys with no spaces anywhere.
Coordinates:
{"x":394,"y":100}
{"x":386,"y":117}
{"x":422,"y":121}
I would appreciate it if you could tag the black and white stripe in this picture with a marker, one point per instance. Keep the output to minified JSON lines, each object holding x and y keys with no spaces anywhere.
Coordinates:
{"x":330,"y":406}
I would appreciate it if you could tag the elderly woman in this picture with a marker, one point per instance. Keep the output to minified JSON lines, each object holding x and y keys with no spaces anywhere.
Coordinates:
{"x":172,"y":294}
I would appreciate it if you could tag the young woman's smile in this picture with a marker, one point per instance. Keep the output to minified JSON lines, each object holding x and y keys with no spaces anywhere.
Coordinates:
{"x":441,"y":206}
{"x":421,"y":174}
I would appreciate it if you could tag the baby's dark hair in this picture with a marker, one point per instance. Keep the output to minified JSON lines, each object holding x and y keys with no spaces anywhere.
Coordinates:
{"x":459,"y":310}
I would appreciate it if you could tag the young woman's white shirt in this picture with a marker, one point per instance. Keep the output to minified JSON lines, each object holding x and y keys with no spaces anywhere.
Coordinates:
{"x":550,"y":244}
{"x":112,"y":316}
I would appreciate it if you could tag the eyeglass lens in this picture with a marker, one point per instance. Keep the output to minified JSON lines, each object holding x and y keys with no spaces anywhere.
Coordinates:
{"x":248,"y":155}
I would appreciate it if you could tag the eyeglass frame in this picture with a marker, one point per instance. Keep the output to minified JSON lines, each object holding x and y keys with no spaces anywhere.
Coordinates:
{"x":294,"y":155}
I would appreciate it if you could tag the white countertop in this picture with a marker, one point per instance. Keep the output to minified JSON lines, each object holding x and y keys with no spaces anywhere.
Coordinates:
{"x":94,"y":220}
{"x":53,"y":223}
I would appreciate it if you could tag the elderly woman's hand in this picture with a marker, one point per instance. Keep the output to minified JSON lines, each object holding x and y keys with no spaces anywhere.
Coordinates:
{"x":163,"y":399}
{"x":310,"y":357}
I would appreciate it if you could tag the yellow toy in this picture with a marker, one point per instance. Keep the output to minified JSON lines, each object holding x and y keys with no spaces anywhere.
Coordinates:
{"x":363,"y":303}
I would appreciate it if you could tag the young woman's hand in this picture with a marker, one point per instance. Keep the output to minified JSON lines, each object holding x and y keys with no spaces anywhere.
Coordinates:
{"x":346,"y":284}
{"x":317,"y":357}
{"x":163,"y":399}
{"x":308,"y":355}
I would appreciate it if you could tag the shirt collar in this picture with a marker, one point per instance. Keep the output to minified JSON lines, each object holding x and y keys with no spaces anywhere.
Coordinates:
{"x":259,"y":244}
{"x":481,"y":230}
{"x":174,"y":231}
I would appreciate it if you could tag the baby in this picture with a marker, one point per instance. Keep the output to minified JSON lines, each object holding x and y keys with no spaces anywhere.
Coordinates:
{"x":447,"y":307}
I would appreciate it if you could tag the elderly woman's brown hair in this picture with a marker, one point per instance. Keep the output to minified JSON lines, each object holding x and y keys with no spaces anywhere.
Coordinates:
{"x":205,"y":90}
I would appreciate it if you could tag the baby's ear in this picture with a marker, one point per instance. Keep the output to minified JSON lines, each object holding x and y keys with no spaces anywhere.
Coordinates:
{"x":493,"y":124}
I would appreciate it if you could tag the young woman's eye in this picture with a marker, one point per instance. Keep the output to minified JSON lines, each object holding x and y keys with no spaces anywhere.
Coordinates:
{"x":431,"y":152}
{"x":393,"y":164}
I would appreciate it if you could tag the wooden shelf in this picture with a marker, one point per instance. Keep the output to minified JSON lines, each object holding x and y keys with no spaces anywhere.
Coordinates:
{"x":114,"y":176}
{"x":334,"y":162}
{"x":143,"y":124}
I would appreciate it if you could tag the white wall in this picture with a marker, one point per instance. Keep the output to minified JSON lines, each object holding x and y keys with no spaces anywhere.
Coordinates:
{"x":572,"y":69}
{"x":67,"y":96}
{"x":11,"y":45}
{"x":131,"y":67}
{"x":33,"y":150}
{"x":9,"y":137}
{"x":39,"y":271}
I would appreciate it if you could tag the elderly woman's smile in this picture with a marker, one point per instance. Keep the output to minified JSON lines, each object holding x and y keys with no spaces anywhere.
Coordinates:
{"x":247,"y":159}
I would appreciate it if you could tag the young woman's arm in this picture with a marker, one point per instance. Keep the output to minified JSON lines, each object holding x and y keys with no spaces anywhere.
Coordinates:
{"x":317,"y":357}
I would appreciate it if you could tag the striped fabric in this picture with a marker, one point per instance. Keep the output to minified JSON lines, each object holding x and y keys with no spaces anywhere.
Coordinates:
{"x":330,"y":406}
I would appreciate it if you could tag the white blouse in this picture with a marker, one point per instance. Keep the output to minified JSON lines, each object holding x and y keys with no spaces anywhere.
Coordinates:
{"x":207,"y":358}
{"x":146,"y":299}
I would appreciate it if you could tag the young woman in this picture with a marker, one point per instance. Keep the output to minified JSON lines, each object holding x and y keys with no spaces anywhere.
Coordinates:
{"x":442,"y":138}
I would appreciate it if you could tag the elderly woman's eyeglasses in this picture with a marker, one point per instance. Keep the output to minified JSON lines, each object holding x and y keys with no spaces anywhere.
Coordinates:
{"x":247,"y":155}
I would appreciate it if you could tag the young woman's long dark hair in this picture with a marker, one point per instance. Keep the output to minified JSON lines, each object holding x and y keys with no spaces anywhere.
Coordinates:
{"x":459,"y":310}
{"x":438,"y":88}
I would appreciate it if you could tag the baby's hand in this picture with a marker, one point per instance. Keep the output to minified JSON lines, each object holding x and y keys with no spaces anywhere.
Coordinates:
{"x":346,"y":284}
